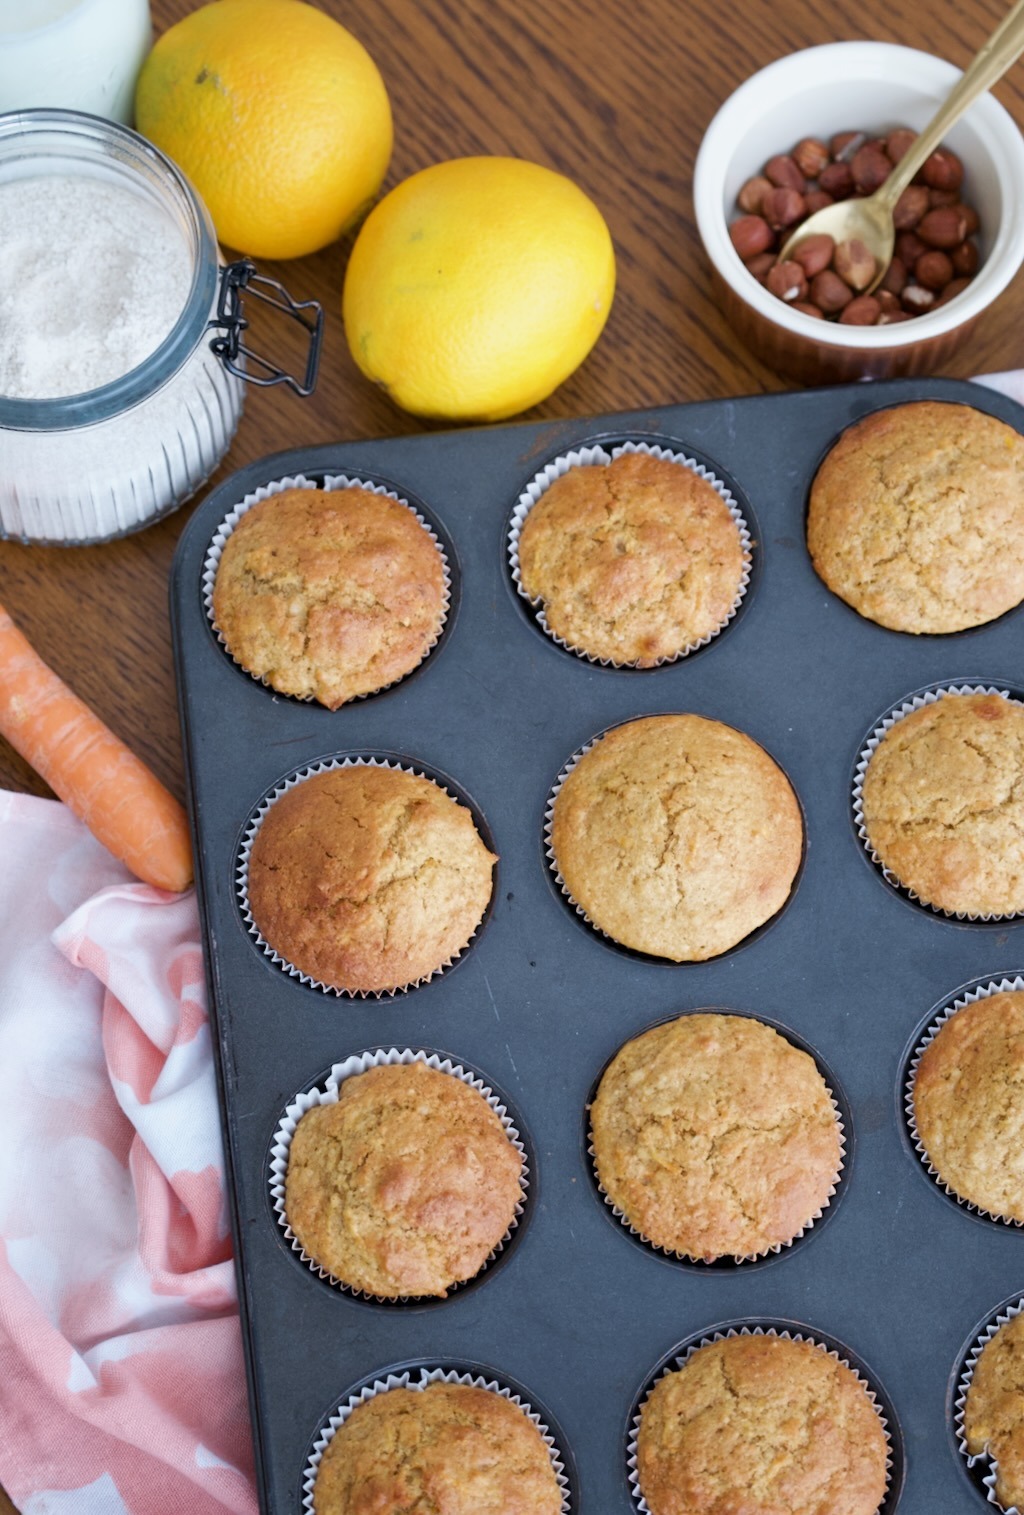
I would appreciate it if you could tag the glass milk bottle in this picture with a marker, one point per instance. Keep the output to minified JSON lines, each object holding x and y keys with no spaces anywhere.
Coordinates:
{"x":80,"y":54}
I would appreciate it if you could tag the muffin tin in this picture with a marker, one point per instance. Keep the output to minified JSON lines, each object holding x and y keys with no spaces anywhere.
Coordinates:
{"x":579,"y":1313}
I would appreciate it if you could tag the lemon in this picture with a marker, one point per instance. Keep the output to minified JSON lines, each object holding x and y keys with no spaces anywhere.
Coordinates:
{"x":278,"y":116}
{"x":476,"y":286}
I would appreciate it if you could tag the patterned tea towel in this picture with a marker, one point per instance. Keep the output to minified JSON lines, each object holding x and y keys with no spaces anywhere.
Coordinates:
{"x":122,"y":1387}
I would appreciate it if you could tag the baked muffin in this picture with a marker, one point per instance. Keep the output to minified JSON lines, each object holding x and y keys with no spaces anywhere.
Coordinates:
{"x":450,"y":1447}
{"x":994,"y":1411}
{"x":405,"y":1185}
{"x":762,"y":1425}
{"x":968,"y":1102}
{"x":715,"y":1136}
{"x":917,"y":517}
{"x":329,"y":594}
{"x":635,"y":561}
{"x":368,"y":878}
{"x":677,"y":836}
{"x":943,"y":803}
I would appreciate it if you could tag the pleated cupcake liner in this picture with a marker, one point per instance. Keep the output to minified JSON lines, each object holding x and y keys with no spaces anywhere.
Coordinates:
{"x":600,"y":456}
{"x":220,"y":537}
{"x":242,"y":877}
{"x":748,"y":1257}
{"x":897,"y":714}
{"x":971,"y":997}
{"x":731,"y":1331}
{"x":418,"y":1379}
{"x":1006,"y":1313}
{"x":328,"y":1094}
{"x":549,"y":850}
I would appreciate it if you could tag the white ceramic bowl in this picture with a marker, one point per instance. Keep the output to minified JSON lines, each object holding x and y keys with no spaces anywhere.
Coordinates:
{"x":846,"y":86}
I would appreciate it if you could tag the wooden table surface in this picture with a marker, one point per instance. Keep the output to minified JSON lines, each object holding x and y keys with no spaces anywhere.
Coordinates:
{"x":617,"y":97}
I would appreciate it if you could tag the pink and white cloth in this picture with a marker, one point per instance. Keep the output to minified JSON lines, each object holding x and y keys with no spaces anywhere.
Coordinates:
{"x":122,"y":1386}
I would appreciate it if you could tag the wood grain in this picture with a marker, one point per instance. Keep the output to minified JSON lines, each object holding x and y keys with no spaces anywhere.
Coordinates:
{"x":617,"y":97}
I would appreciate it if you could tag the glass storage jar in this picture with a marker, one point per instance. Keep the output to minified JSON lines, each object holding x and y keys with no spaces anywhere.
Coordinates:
{"x":92,"y":466}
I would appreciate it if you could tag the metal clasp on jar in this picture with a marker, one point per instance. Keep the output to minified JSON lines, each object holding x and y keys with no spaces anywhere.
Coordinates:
{"x":231,"y":321}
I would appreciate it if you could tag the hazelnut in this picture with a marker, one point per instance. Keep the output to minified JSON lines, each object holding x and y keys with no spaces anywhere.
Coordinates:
{"x":891,"y":317}
{"x":894,"y":278}
{"x":942,"y":196}
{"x":817,"y":199}
{"x":787,"y":281}
{"x":942,"y":170}
{"x":910,"y":207}
{"x":782,"y":207}
{"x":784,"y":174}
{"x":917,"y":299}
{"x":863,"y":311}
{"x":951,"y":291}
{"x":854,"y":263}
{"x":870,"y":169}
{"x":843,"y":142}
{"x":887,"y":301}
{"x":965,"y":259}
{"x":837,"y":180}
{"x":751,"y":235}
{"x":909,"y":248}
{"x":829,"y":292}
{"x":971,"y":217}
{"x":810,"y":156}
{"x":898,"y":141}
{"x":933,"y":269}
{"x":761,"y":265}
{"x":751,"y":196}
{"x":808,"y":309}
{"x":814,"y":253}
{"x":944,"y":227}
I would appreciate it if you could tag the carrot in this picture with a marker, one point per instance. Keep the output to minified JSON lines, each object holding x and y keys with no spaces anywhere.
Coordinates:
{"x":124,"y":805}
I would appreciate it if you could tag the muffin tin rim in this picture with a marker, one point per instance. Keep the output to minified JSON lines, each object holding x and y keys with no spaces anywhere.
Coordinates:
{"x":500,"y":1255}
{"x":728,"y":1263}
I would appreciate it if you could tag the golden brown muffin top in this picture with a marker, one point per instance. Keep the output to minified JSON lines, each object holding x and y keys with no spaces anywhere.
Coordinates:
{"x":405,"y":1185}
{"x":969,"y":1103}
{"x":759,"y":1425}
{"x":677,"y":836}
{"x":994,"y":1412}
{"x":715,"y":1136}
{"x":368,"y":878}
{"x":329,"y":594}
{"x":943,"y":801}
{"x":448,"y":1448}
{"x":917,"y":517}
{"x":634,"y":560}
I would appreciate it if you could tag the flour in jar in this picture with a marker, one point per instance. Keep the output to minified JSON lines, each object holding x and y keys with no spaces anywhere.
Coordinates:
{"x":92,"y":278}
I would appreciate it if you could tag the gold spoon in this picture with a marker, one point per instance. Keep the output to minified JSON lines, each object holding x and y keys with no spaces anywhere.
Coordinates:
{"x":870,"y":219}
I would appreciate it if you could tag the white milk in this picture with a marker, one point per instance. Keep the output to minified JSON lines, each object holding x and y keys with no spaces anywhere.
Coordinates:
{"x":75,"y":54}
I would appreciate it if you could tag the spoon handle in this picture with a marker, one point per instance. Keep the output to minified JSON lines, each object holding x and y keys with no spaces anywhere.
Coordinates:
{"x":989,"y":64}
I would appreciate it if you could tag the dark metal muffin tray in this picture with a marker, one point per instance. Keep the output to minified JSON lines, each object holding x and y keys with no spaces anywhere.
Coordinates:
{"x":579,"y":1313}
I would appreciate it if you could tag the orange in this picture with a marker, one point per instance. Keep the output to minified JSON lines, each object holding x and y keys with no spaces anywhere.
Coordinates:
{"x":278,"y":116}
{"x":477,"y":286}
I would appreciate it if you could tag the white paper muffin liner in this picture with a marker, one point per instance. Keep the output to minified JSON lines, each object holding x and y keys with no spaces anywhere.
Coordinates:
{"x":918,"y":702}
{"x":597,"y":455}
{"x":421,"y":1378}
{"x":706,"y":1341}
{"x":242,"y":877}
{"x":746,"y":1257}
{"x":299,"y":481}
{"x":1008,"y":1313}
{"x":329,"y":1095}
{"x":971,"y":997}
